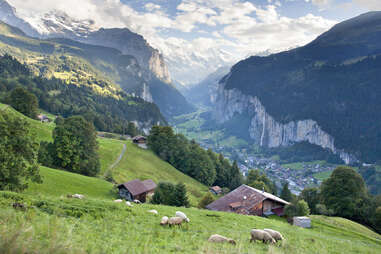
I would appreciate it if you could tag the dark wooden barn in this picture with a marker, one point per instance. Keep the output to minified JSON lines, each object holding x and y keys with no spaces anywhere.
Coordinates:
{"x":136,"y":190}
{"x":249,"y":201}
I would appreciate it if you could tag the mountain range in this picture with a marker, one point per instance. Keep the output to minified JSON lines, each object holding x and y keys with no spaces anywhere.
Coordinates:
{"x":147,"y":76}
{"x":326,"y":93}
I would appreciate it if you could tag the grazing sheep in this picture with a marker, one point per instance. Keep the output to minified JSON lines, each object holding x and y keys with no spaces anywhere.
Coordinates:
{"x":137,"y":201}
{"x":153,"y":212}
{"x":164,"y":220}
{"x":128,"y":203}
{"x":274,"y":234}
{"x":79,"y":196}
{"x":182,"y":215}
{"x":175,"y":221}
{"x":220,"y":239}
{"x":118,"y":201}
{"x":257,"y":234}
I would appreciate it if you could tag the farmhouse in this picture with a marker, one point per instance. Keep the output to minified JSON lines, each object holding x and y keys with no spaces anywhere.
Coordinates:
{"x":249,"y":201}
{"x":136,"y":189}
{"x":216,"y":190}
{"x":43,"y":118}
{"x":139,"y":140}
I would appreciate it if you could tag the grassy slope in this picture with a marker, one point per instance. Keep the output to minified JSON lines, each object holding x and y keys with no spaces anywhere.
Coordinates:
{"x":134,"y":230}
{"x":143,"y":164}
{"x":43,"y":131}
{"x":136,"y":163}
{"x":60,"y":183}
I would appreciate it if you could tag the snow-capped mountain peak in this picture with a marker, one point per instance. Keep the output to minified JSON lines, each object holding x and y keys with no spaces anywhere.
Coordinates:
{"x":58,"y":24}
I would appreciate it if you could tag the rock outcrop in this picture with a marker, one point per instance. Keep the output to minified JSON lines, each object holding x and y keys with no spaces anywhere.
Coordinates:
{"x":264,"y":130}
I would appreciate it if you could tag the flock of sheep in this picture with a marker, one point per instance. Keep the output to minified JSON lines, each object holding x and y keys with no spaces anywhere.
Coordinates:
{"x":266,"y":235}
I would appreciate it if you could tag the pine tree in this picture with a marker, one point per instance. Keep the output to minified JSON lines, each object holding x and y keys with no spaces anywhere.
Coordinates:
{"x":286,"y":193}
{"x":180,"y":196}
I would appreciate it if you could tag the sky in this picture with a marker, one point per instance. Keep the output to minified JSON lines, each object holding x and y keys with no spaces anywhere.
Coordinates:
{"x":198,"y":36}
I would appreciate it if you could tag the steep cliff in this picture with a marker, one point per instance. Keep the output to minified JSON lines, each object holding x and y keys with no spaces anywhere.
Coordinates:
{"x":130,"y":43}
{"x":326,"y":93}
{"x":264,"y":130}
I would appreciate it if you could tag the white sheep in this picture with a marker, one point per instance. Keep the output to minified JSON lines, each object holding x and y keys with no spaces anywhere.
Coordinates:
{"x":220,"y":239}
{"x":257,"y":234}
{"x":274,"y":234}
{"x":153,"y":212}
{"x":128,"y":203}
{"x":164,"y":220}
{"x":136,"y":201}
{"x":182,"y":215}
{"x":175,"y":221}
{"x":118,"y":201}
{"x":79,"y":196}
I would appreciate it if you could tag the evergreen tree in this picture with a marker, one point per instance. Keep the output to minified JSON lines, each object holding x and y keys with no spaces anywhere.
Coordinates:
{"x":286,"y":193}
{"x":312,"y":197}
{"x":24,"y":102}
{"x":180,"y":196}
{"x":235,"y":176}
{"x":18,"y":154}
{"x":75,"y":146}
{"x":131,"y":129}
{"x":163,"y":193}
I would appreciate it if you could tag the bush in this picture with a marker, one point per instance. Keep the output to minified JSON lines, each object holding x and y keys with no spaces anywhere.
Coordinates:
{"x":170,"y":194}
{"x":206,"y":200}
{"x":299,"y":209}
{"x":322,"y":209}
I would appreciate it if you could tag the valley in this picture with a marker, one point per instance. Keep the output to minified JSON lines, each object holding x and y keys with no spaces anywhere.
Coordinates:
{"x":190,"y":127}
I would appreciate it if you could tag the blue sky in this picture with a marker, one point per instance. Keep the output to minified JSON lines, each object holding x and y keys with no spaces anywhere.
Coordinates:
{"x":198,"y":36}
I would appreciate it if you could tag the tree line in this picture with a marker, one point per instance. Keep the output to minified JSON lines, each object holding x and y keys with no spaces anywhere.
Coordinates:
{"x":190,"y":158}
{"x":343,"y":194}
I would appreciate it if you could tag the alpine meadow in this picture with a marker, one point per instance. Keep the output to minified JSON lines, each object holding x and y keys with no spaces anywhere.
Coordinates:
{"x":235,"y":126}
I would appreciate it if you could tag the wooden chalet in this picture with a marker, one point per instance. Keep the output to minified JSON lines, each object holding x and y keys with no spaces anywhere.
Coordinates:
{"x":139,"y":140}
{"x":136,"y":190}
{"x":249,"y":201}
{"x":216,"y":190}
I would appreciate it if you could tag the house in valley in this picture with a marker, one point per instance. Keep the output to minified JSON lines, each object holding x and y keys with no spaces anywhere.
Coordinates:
{"x":139,"y":140}
{"x":249,"y":201}
{"x":216,"y":190}
{"x":43,"y":118}
{"x":136,"y":190}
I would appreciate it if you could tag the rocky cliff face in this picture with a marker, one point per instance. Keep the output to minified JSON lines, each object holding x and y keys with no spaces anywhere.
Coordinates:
{"x":264,"y":130}
{"x":133,"y":44}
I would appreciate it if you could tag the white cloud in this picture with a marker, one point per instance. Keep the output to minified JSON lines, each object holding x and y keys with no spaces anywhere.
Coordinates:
{"x":226,"y":30}
{"x":374,"y":5}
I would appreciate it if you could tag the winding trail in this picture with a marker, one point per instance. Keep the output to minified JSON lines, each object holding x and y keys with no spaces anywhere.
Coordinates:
{"x":119,"y":158}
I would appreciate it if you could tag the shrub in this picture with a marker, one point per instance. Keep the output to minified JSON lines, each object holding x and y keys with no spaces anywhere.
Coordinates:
{"x":169,"y":194}
{"x":206,"y":200}
{"x":322,"y":209}
{"x":299,"y":209}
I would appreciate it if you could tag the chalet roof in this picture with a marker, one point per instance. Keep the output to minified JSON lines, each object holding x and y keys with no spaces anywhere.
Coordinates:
{"x":149,"y":184}
{"x":139,"y":138}
{"x":216,"y":188}
{"x":244,"y":195}
{"x":135,"y":187}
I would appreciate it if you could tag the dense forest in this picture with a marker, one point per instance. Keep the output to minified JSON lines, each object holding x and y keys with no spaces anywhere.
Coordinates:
{"x":190,"y":158}
{"x":109,"y":112}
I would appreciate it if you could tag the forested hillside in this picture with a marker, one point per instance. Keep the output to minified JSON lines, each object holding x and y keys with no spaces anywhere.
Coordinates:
{"x":108,"y":108}
{"x":90,"y":65}
{"x":334,"y":80}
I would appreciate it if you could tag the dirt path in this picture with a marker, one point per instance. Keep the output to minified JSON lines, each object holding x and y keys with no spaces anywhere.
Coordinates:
{"x":119,"y":158}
